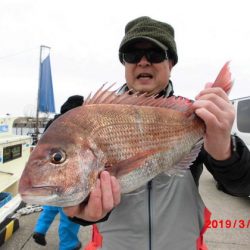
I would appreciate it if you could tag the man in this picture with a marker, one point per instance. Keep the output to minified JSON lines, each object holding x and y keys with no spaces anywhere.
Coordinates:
{"x":168,"y":212}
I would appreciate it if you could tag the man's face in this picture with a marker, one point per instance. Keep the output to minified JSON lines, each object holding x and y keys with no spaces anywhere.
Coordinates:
{"x":145,"y":76}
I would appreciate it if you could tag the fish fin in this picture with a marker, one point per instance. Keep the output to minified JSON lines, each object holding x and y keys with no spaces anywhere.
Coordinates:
{"x":128,"y":165}
{"x":100,"y":95}
{"x":224,"y":79}
{"x":105,"y":96}
{"x":185,"y":163}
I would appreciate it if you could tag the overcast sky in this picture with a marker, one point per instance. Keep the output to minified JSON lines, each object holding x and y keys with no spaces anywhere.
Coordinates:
{"x":84,"y":37}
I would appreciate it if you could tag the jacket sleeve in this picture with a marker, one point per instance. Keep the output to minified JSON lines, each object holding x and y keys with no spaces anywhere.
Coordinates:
{"x":88,"y":223}
{"x":233,"y":174}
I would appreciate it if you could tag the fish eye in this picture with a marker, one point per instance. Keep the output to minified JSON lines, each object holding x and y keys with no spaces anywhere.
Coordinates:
{"x":58,"y":157}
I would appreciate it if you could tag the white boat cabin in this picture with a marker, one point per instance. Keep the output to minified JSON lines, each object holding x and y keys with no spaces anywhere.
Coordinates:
{"x":14,"y":153}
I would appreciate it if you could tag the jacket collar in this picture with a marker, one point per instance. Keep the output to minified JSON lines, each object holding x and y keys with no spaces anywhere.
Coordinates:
{"x":167,"y":92}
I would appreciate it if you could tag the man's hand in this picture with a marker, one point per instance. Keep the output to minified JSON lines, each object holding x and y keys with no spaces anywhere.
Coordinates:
{"x":214,"y":108}
{"x":103,"y":198}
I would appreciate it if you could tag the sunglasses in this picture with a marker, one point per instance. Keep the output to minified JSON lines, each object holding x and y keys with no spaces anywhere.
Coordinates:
{"x":152,"y":55}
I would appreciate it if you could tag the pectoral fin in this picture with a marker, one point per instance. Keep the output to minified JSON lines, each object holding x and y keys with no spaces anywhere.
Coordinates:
{"x":126,"y":166}
{"x":187,"y":161}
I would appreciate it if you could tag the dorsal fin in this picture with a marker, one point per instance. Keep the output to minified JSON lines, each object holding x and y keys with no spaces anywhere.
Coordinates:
{"x":105,"y":96}
{"x":100,"y":95}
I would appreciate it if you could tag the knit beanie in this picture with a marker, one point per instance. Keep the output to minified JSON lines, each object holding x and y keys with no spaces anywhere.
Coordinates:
{"x":146,"y":28}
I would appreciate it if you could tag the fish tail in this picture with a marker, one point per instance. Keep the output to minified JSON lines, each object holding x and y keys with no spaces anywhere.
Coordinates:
{"x":224,"y":79}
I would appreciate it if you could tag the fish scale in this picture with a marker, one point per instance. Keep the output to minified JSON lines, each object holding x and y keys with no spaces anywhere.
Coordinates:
{"x":127,"y":138}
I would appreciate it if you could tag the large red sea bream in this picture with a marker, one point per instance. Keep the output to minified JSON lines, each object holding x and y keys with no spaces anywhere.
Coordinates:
{"x":134,"y":137}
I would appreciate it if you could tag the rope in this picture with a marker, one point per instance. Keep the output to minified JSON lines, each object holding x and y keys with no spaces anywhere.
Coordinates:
{"x":29,"y":209}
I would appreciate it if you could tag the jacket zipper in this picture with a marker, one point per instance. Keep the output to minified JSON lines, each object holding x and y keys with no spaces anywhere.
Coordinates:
{"x":149,"y":216}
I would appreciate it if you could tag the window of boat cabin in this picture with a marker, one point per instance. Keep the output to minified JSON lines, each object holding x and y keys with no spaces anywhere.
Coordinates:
{"x":243,"y":116}
{"x":12,"y":152}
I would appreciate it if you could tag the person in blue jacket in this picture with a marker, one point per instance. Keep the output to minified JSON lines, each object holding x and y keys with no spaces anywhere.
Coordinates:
{"x":67,"y":230}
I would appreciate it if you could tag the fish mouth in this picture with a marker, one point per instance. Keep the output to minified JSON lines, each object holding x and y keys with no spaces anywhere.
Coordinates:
{"x":40,"y":191}
{"x":39,"y":199}
{"x":50,"y":195}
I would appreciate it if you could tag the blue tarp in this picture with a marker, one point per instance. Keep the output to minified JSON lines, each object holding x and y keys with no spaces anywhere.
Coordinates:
{"x":4,"y":198}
